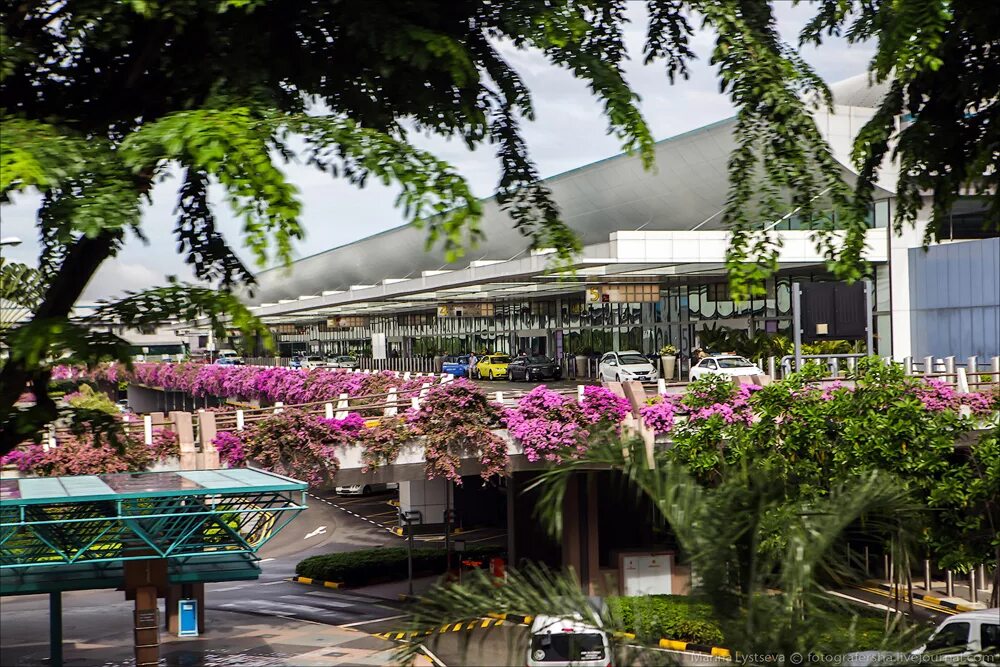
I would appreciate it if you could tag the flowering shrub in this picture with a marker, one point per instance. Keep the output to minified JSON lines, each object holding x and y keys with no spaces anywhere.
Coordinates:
{"x":550,"y":426}
{"x":455,"y":419}
{"x":293,"y":443}
{"x":602,"y":406}
{"x":81,"y":455}
{"x":381,"y":444}
{"x":659,"y":414}
{"x":230,"y":447}
{"x":165,"y":444}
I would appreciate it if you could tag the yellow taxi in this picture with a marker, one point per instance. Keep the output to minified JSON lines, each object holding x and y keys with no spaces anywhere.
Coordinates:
{"x":492,"y":366}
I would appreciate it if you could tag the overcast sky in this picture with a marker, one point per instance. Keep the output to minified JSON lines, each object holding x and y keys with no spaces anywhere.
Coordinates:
{"x":569,"y":131}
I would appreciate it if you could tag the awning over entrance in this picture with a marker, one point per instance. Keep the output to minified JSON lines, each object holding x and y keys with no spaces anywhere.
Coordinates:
{"x":73,"y":533}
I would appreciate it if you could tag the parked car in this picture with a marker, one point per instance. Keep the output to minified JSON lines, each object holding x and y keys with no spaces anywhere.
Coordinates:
{"x":493,"y":366}
{"x":342,"y":361}
{"x":724,"y":364}
{"x":625,"y":366}
{"x":533,"y":368}
{"x":365,"y":489}
{"x":229,"y":361}
{"x":562,"y":642}
{"x":313,"y":361}
{"x":296,"y":362}
{"x":457,"y":366}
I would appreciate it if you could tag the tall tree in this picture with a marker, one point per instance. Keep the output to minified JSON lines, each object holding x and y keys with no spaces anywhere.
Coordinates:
{"x":101,"y":99}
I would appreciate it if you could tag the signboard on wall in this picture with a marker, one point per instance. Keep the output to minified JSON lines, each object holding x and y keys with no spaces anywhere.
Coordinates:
{"x":474,"y":309}
{"x":647,"y":574}
{"x":833,"y":311}
{"x":378,"y":346}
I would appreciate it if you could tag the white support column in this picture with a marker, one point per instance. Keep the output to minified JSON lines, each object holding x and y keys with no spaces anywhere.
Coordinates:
{"x":328,"y":410}
{"x":390,"y":410}
{"x":147,"y":430}
{"x":962,"y":381}
{"x":342,"y":407}
{"x":239,"y":420}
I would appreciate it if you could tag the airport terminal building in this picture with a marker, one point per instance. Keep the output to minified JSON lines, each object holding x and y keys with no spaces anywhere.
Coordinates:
{"x":651,"y":272}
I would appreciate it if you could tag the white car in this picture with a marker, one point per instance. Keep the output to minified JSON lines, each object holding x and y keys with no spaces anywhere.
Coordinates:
{"x":313,"y":361}
{"x":724,"y":364}
{"x":562,"y":642}
{"x":964,"y":635}
{"x":365,"y":489}
{"x":344,"y":361}
{"x":625,"y":366}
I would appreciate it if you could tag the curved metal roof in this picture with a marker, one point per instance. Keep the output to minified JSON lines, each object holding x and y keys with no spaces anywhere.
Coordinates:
{"x":687,"y":186}
{"x":686,"y":189}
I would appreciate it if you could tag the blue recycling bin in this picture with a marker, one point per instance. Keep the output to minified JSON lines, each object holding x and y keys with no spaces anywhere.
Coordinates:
{"x":188,"y":615}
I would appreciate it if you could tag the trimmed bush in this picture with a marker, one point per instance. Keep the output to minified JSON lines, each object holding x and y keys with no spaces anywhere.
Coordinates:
{"x":652,"y":617}
{"x":367,"y":566}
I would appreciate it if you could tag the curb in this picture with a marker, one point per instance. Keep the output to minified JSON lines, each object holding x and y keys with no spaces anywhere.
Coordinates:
{"x":933,"y":599}
{"x":317,"y":582}
{"x":497,"y":620}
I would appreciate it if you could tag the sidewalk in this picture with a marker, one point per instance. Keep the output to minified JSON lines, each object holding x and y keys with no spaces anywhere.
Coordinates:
{"x":231,"y":638}
{"x":959,"y":602}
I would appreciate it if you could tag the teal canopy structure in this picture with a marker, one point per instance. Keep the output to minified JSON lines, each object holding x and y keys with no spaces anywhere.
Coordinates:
{"x":74,"y":533}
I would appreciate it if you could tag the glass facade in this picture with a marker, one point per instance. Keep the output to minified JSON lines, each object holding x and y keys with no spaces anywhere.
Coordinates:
{"x":568,"y":325}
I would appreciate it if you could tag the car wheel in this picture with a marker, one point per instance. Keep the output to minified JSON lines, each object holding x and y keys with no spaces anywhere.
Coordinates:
{"x":492,"y":377}
{"x":365,"y":490}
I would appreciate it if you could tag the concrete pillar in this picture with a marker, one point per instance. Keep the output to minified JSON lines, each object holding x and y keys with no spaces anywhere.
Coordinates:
{"x":342,"y":407}
{"x":171,"y":616}
{"x":928,"y":365}
{"x":147,"y":627}
{"x":239,"y":420}
{"x":908,"y":365}
{"x":972,"y":367}
{"x":772,"y":369}
{"x":328,"y":410}
{"x":390,"y":409}
{"x":927,"y":575}
{"x":429,"y":497}
{"x":961,"y":381}
{"x":184,"y":428}
{"x":209,"y":457}
{"x":580,"y":531}
{"x":949,"y":364}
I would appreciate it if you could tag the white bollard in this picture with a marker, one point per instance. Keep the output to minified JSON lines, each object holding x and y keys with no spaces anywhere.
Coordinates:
{"x":390,"y":410}
{"x":949,"y":364}
{"x":239,"y":420}
{"x":328,"y":410}
{"x":962,"y":381}
{"x":499,"y":397}
{"x":579,"y":393}
{"x":661,"y":387}
{"x":147,"y":430}
{"x":277,"y":407}
{"x":342,"y":407}
{"x":51,"y":441}
{"x":928,"y":365}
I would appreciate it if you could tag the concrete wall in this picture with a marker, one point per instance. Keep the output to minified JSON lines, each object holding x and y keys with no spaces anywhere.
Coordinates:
{"x":955,"y":299}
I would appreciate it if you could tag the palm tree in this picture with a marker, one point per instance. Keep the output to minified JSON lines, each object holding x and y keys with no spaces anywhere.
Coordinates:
{"x":758,"y":557}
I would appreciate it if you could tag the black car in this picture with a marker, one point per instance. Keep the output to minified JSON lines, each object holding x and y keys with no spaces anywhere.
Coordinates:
{"x":533,"y":368}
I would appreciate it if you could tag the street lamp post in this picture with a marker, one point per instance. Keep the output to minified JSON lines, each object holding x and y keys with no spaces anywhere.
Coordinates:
{"x":409,"y":517}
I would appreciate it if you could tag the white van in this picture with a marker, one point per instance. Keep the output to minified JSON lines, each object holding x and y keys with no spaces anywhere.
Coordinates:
{"x":565,"y":642}
{"x":964,"y":635}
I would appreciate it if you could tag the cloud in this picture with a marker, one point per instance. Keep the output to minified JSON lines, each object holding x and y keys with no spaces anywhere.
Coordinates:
{"x":569,"y":131}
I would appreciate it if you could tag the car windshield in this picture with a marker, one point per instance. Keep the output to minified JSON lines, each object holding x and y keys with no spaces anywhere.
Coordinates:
{"x":500,"y":359}
{"x":538,"y":360}
{"x":567,"y":647}
{"x":460,"y":360}
{"x":314,"y":359}
{"x":345,"y":358}
{"x":628,"y":359}
{"x":733,"y":362}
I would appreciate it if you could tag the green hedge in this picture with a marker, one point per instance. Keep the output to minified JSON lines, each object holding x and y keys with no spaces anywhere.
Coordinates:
{"x":653,"y":617}
{"x":358,"y":568}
